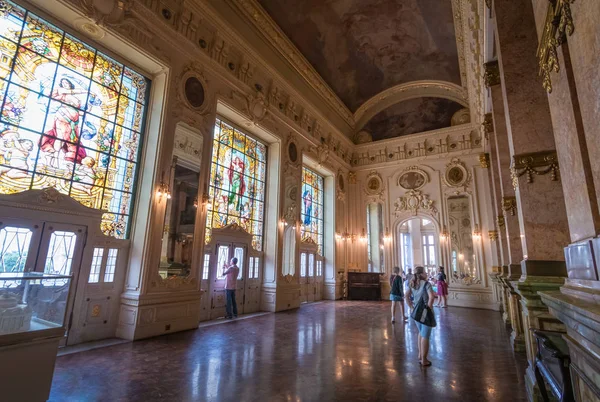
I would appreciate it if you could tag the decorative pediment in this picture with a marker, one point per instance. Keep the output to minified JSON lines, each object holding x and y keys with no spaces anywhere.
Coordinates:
{"x":321,"y":152}
{"x":414,"y":201}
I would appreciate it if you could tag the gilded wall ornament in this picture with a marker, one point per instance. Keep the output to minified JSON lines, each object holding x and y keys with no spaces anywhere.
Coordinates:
{"x":414,"y":201}
{"x":536,"y":163}
{"x":352,"y":177}
{"x":493,"y":235}
{"x":488,"y":123}
{"x":484,"y":160}
{"x":500,"y":221}
{"x":559,"y":24}
{"x":509,"y":205}
{"x":491,"y":73}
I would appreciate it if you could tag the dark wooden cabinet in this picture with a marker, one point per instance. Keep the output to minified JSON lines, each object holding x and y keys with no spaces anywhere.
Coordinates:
{"x":364,"y":286}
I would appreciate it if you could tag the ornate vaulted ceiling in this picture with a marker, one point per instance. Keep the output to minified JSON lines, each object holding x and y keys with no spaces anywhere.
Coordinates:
{"x":363,"y":47}
{"x":412,"y":116}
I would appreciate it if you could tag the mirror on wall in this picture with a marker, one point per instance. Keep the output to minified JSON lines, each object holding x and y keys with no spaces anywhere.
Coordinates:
{"x":180,"y":221}
{"x":418,"y":241}
{"x":289,"y":251}
{"x":375,"y":246}
{"x":463,"y":260}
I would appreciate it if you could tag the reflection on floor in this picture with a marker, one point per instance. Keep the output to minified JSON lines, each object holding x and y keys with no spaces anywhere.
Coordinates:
{"x":344,"y":351}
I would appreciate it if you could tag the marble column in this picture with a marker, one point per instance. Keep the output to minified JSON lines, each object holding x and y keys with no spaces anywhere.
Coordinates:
{"x":573,"y":96}
{"x":534,"y":168}
{"x":508,"y":221}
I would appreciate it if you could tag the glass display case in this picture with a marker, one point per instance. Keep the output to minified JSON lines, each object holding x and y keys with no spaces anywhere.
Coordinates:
{"x":32,"y":301}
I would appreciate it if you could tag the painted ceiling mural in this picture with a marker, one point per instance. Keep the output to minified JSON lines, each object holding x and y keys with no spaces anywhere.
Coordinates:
{"x":412,"y":116}
{"x":362,"y":47}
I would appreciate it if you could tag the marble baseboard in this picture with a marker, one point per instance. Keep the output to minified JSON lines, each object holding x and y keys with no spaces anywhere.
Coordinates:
{"x":472,"y":297}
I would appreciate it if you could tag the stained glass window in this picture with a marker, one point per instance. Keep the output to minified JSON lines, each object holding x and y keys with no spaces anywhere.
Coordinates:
{"x":237,"y":182}
{"x":312,"y":208}
{"x":71,"y":117}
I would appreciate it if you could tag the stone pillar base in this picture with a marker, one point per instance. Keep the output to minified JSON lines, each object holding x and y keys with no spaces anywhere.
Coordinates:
{"x":533,"y":391}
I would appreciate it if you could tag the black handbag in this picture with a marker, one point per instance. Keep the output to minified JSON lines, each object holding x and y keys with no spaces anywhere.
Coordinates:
{"x":422,"y":313}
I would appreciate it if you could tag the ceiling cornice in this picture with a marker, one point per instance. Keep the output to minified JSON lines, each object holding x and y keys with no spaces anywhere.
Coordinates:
{"x":274,"y":35}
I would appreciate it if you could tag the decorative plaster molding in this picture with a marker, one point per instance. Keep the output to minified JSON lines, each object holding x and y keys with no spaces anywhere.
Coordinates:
{"x":536,"y":163}
{"x":291,"y":214}
{"x":456,"y":174}
{"x":406,"y":91}
{"x":491,"y":73}
{"x":351,"y":177}
{"x":416,"y":170}
{"x":509,"y":205}
{"x":414,"y":201}
{"x":374,"y":184}
{"x":559,"y":24}
{"x":321,"y":152}
{"x":436,"y":143}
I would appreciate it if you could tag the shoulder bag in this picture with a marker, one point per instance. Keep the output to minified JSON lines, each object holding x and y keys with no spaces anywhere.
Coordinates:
{"x":422,"y":313}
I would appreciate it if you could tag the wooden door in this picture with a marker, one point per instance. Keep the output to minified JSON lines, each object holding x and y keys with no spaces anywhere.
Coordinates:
{"x":253,"y":278}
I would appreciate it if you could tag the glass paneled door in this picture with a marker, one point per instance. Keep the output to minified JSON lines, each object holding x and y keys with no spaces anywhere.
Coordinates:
{"x":224,"y":252}
{"x":48,"y":247}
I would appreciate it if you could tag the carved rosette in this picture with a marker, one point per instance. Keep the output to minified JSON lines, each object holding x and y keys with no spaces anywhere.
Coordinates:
{"x":509,"y":205}
{"x":537,"y":163}
{"x":414,"y":201}
{"x":559,"y":24}
{"x":491,"y":73}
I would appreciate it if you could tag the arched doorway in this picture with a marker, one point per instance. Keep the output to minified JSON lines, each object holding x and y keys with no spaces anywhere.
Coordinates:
{"x":418,"y":243}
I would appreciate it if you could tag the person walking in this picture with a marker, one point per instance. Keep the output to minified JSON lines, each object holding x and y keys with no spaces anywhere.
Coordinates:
{"x":442,"y":289}
{"x":422,"y":313}
{"x":231,"y":274}
{"x":409,"y":277}
{"x":397,"y":294}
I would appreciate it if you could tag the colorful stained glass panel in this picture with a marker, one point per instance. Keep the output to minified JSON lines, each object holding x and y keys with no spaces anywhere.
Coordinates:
{"x":236,"y":182}
{"x":312,"y":208}
{"x":71,"y":117}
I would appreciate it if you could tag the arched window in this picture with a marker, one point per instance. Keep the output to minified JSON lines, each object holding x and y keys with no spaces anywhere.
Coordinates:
{"x":72,"y":117}
{"x":312,"y":208}
{"x":237,"y":182}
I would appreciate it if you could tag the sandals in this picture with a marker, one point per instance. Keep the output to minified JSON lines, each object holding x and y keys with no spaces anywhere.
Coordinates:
{"x":425,"y":364}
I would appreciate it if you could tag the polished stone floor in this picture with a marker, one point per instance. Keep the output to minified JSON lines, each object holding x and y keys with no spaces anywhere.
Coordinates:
{"x":329,"y":351}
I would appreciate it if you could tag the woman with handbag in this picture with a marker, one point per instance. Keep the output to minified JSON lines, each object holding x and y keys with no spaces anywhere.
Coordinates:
{"x":422,"y":313}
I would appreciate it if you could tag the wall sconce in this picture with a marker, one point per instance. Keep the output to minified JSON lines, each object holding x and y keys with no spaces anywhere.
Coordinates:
{"x":338,"y":236}
{"x":461,"y":256}
{"x":163,"y":190}
{"x":363,"y":235}
{"x":196,"y":202}
{"x":477,"y":233}
{"x":283,"y":222}
{"x":444,"y":235}
{"x":387,"y":235}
